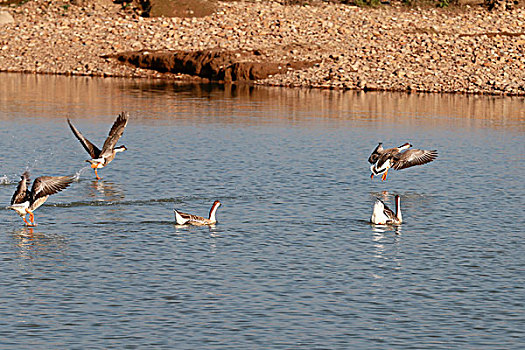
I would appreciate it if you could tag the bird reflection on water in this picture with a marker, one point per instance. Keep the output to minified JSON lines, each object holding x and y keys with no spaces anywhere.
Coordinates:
{"x":33,"y":244}
{"x":179,"y":229}
{"x":109,"y":190}
{"x":381,"y":229}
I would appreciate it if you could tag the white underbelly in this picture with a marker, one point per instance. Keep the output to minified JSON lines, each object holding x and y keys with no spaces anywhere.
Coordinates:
{"x":20,"y":208}
{"x":381,"y":169}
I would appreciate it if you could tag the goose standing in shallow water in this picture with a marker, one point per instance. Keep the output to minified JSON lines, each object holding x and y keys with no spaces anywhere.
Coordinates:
{"x":24,"y":202}
{"x":188,"y":219}
{"x":397,"y":158}
{"x":383,"y":215}
{"x":101,"y":158}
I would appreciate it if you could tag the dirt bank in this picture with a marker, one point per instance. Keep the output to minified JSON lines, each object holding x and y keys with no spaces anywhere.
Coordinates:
{"x":388,"y":48}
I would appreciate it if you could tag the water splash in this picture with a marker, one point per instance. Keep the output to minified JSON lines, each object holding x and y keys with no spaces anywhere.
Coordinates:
{"x":4,"y":180}
{"x":76,"y":177}
{"x":104,"y":203}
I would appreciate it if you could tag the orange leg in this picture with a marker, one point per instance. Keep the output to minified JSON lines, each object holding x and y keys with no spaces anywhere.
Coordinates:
{"x":31,"y":218}
{"x":94,"y":167}
{"x":372,"y":176}
{"x":24,"y":218}
{"x":383,"y":178}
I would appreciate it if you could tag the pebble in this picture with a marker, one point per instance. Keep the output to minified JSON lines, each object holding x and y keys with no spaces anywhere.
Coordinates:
{"x":6,"y":17}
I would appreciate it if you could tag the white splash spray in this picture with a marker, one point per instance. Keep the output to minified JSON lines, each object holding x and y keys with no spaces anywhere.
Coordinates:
{"x":76,"y":177}
{"x":4,"y":180}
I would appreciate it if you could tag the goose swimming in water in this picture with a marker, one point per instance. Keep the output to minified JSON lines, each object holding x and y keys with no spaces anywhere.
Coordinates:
{"x":24,"y":202}
{"x":397,"y":158}
{"x":188,"y":219}
{"x":101,"y":158}
{"x":383,"y":215}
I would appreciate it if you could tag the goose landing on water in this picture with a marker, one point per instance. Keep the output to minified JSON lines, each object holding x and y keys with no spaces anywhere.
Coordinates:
{"x":24,"y":202}
{"x":383,"y":215}
{"x":188,"y":219}
{"x":397,"y":158}
{"x":101,"y":158}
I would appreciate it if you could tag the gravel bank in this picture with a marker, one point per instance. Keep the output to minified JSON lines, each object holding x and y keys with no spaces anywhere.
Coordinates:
{"x":433,"y":50}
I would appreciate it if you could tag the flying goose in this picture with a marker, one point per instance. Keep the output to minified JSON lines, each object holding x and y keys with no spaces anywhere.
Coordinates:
{"x":383,"y":215}
{"x":24,"y":202}
{"x":397,"y":158}
{"x":101,"y":158}
{"x":188,"y":219}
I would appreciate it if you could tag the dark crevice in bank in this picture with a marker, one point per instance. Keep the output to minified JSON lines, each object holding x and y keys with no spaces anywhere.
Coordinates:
{"x":213,"y":65}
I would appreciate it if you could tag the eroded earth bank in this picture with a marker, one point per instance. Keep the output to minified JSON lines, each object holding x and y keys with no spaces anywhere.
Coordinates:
{"x":326,"y":45}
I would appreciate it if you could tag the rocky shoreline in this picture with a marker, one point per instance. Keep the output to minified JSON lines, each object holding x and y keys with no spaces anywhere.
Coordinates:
{"x":339,"y":46}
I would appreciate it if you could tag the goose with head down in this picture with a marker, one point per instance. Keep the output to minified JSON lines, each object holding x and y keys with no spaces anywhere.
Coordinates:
{"x":26,"y":202}
{"x":398,"y":158}
{"x":189,"y":219}
{"x":101,"y":158}
{"x":383,"y":215}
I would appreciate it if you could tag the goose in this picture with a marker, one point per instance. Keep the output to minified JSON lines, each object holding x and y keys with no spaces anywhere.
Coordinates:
{"x":398,"y":158}
{"x":24,"y":202}
{"x":101,"y":158}
{"x":188,"y":219}
{"x":383,"y":215}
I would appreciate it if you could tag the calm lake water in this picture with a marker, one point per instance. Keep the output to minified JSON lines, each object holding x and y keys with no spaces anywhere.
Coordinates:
{"x":293,"y":262}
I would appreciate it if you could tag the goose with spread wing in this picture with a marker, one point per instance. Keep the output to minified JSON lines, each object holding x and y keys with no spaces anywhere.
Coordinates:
{"x":26,"y":202}
{"x":383,"y":215}
{"x":398,"y":158}
{"x":101,"y":158}
{"x":189,"y":219}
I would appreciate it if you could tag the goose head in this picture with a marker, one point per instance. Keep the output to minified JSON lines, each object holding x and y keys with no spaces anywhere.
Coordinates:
{"x":405,"y":146}
{"x":376,"y":153}
{"x":121,"y":148}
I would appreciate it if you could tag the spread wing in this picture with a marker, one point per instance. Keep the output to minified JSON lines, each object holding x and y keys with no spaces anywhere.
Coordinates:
{"x":48,"y":185}
{"x":93,"y":150}
{"x":20,"y":195}
{"x":414,"y":157}
{"x":376,"y":154}
{"x":115,"y":133}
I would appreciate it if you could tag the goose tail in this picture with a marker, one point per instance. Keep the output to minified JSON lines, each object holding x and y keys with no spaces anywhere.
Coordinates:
{"x":179,"y":219}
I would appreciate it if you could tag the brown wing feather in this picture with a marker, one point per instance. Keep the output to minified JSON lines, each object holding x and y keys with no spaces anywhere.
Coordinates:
{"x":196,"y":218}
{"x":93,"y":150}
{"x":115,"y":133}
{"x":414,"y":157}
{"x":184,"y":215}
{"x":388,"y":212}
{"x":20,"y":195}
{"x":191,"y":217}
{"x":48,"y":185}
